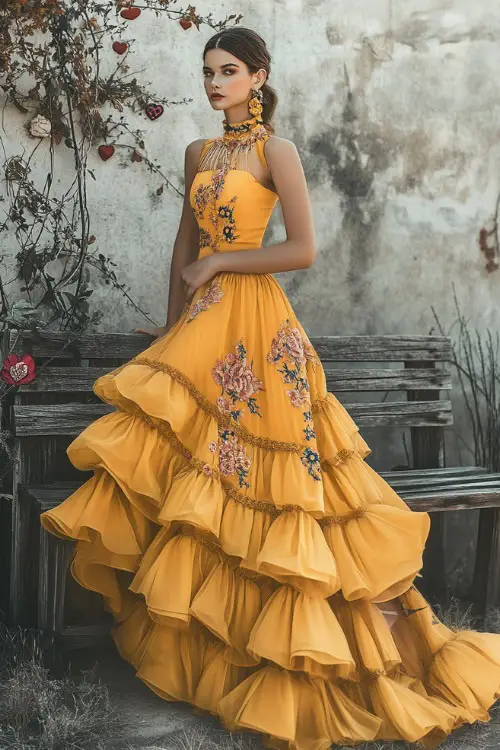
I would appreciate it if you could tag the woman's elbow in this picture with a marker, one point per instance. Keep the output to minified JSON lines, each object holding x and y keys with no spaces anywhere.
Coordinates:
{"x":310,"y":255}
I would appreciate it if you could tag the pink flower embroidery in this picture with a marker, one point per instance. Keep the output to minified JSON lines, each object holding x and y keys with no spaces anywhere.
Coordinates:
{"x":294,"y":350}
{"x":290,"y":343}
{"x":207,"y":470}
{"x":18,"y":370}
{"x":297,"y":398}
{"x":233,"y":459}
{"x":237,"y":379}
{"x":224,"y":405}
{"x":212,"y":447}
{"x":213,"y":295}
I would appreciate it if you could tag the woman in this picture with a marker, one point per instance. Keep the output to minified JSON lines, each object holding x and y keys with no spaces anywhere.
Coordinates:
{"x":232,"y":526}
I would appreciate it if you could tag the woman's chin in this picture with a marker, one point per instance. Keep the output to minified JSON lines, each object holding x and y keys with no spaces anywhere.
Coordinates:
{"x":218,"y":104}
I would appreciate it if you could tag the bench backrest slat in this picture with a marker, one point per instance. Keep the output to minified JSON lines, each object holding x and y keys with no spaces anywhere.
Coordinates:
{"x":71,"y":419}
{"x":124,"y":346}
{"x":81,"y":379}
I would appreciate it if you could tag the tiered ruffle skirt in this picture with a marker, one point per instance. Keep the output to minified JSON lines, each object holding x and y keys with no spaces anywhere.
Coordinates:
{"x":242,"y":542}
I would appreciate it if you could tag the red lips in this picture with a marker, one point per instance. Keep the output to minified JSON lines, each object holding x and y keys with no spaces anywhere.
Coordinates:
{"x":216,"y":96}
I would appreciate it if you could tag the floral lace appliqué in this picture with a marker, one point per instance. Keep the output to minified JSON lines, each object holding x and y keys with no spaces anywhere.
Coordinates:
{"x":311,"y":461}
{"x":221,"y":217}
{"x":205,"y":238}
{"x":201,"y":198}
{"x":233,"y":458}
{"x":238,"y":383}
{"x":291,"y":350}
{"x":213,"y":295}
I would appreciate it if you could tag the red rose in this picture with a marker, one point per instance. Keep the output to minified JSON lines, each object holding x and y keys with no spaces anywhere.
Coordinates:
{"x":18,"y":370}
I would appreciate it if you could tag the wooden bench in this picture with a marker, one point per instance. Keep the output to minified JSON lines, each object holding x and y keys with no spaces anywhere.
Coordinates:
{"x":45,"y":415}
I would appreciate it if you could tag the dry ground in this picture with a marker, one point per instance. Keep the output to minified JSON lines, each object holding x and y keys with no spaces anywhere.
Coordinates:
{"x":110,"y":709}
{"x":153,"y":724}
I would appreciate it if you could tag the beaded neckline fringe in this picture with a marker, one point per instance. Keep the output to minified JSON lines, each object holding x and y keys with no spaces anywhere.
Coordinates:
{"x":231,"y":150}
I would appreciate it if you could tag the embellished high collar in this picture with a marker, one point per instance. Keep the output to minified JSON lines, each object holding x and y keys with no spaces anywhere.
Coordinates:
{"x":238,"y":130}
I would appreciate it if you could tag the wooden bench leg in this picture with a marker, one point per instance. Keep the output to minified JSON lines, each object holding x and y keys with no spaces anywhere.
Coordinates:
{"x":24,"y":561}
{"x":55,"y":556}
{"x":428,"y":453}
{"x":486,"y":583}
{"x":433,"y":581}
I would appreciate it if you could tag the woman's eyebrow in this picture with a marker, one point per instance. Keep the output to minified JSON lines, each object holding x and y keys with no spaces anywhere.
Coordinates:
{"x":226,"y":65}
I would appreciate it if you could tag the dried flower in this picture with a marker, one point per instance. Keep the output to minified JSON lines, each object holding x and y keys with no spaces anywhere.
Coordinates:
{"x":18,"y":370}
{"x":40,"y":127}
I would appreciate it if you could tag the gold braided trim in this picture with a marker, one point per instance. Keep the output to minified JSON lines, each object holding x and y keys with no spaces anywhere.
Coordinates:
{"x":339,"y":458}
{"x":224,"y":557}
{"x":320,"y":404}
{"x":163,"y":428}
{"x":231,"y":492}
{"x":209,"y":408}
{"x":345,"y":518}
{"x":205,"y":468}
{"x":261,"y":505}
{"x":206,"y":542}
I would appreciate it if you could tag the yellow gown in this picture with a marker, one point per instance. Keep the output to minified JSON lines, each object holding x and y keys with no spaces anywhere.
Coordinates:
{"x":235,"y":531}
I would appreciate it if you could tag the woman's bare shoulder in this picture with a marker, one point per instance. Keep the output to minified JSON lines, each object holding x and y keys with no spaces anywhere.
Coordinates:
{"x":279,"y":148}
{"x":194,"y":148}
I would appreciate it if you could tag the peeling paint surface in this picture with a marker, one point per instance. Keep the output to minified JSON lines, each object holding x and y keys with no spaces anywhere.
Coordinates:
{"x":394,"y":107}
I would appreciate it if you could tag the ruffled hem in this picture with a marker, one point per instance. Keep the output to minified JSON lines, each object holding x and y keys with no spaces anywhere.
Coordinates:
{"x":318,"y":536}
{"x":293,"y":710}
{"x":262,"y":611}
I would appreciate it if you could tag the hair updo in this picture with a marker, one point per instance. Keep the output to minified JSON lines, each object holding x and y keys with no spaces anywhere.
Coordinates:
{"x":250,"y":48}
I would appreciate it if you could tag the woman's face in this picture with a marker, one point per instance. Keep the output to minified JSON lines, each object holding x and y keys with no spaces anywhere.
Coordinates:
{"x":228,"y":76}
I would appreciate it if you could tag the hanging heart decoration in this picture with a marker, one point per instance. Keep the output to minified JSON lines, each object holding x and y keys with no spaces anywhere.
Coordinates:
{"x":154,"y":111}
{"x":186,"y":23}
{"x":136,"y":156}
{"x":18,"y":370}
{"x":106,"y":152}
{"x":130,"y":13}
{"x":120,"y":47}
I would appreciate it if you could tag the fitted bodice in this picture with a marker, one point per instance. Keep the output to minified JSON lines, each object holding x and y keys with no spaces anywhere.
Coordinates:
{"x":232,"y":213}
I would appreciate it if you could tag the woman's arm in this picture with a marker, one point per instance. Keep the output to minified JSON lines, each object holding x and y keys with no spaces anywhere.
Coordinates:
{"x":299,"y":248}
{"x":186,"y":244}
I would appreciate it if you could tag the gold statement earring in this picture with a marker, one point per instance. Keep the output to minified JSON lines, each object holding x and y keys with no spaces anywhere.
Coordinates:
{"x":255,"y":103}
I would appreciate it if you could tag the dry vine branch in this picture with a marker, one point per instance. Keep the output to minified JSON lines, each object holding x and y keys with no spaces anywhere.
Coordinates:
{"x":60,"y":46}
{"x":476,"y":358}
{"x":57,"y":46}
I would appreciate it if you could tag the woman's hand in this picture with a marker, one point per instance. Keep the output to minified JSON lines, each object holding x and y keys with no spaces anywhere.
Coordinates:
{"x":155,"y":332}
{"x":198,"y":273}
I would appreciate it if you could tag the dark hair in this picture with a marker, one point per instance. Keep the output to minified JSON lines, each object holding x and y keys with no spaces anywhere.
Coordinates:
{"x":250,"y":48}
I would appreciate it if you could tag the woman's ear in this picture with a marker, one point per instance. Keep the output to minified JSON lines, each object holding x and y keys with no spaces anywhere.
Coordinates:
{"x":261,"y":77}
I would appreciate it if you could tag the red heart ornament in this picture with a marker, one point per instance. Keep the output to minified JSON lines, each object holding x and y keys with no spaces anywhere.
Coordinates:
{"x":120,"y":47}
{"x":131,"y":13}
{"x":18,"y":370}
{"x":185,"y":23}
{"x":106,"y":152}
{"x":154,"y":111}
{"x":136,"y":156}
